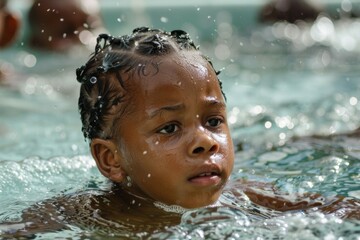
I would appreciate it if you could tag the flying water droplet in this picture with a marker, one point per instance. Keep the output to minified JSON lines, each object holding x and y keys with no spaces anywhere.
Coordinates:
{"x":93,"y":80}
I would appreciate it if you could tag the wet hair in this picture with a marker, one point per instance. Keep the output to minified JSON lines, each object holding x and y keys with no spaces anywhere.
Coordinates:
{"x":102,"y":84}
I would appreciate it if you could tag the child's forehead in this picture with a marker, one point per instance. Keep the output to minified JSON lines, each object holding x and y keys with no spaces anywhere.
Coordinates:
{"x":176,"y":67}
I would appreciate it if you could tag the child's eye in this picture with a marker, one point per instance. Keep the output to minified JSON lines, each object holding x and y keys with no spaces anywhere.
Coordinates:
{"x":170,"y":128}
{"x":214,"y":122}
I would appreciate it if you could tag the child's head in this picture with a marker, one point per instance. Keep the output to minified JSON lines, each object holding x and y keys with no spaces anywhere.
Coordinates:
{"x":153,"y":108}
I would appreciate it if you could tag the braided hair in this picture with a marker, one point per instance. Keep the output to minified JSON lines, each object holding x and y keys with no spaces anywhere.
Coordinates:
{"x":113,"y":57}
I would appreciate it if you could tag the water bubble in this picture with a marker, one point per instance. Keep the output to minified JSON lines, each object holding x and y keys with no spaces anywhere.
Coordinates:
{"x":268,"y":124}
{"x":74,"y":147}
{"x":30,"y":60}
{"x":222,"y":51}
{"x":346,"y":5}
{"x":93,"y":80}
{"x":64,"y":35}
{"x":197,"y":116}
{"x":198,"y":9}
{"x":42,"y":30}
{"x":85,"y":37}
{"x":282,"y":136}
{"x":144,"y":152}
{"x":157,"y":143}
{"x":61,"y":19}
{"x":164,"y":19}
{"x":149,"y":175}
{"x":50,"y":38}
{"x":353,"y":101}
{"x":118,"y":19}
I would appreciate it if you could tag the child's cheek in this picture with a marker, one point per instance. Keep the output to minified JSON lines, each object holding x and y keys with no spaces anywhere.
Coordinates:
{"x":164,"y":143}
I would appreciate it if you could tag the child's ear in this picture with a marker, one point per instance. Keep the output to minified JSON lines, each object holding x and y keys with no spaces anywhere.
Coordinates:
{"x":107,"y":159}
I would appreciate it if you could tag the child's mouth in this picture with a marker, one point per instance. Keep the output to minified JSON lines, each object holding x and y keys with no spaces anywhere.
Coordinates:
{"x":206,"y":179}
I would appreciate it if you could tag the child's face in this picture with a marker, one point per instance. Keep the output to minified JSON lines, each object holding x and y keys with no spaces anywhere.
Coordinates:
{"x":175,"y":143}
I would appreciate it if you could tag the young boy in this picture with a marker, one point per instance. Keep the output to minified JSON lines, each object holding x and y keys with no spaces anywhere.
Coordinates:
{"x":153,"y":109}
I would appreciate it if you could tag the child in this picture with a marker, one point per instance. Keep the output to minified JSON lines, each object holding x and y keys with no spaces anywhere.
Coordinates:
{"x":153,"y":109}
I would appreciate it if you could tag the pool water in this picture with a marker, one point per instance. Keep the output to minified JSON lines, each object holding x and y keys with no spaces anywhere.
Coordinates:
{"x":280,"y":89}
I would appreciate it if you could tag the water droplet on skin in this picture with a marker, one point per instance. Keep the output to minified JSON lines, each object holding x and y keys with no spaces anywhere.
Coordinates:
{"x":93,"y":80}
{"x":145,"y":152}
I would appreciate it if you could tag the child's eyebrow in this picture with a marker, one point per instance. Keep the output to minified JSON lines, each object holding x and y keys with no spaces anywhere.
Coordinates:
{"x":215,"y":102}
{"x":208,"y":102}
{"x":157,"y":111}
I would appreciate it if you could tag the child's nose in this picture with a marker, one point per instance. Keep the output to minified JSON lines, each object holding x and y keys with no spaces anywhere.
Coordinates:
{"x":202,"y":142}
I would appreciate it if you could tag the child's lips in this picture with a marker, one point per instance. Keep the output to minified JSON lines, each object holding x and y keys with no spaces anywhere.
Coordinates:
{"x":208,"y":177}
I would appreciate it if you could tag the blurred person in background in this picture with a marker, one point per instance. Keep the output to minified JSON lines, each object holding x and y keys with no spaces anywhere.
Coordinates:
{"x":289,"y":11}
{"x":58,"y":25}
{"x":9,"y":28}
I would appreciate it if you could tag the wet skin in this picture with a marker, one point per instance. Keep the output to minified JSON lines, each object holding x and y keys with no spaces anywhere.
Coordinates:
{"x":175,"y":143}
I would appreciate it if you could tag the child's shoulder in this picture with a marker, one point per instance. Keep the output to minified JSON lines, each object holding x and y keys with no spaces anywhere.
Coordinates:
{"x":105,"y":211}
